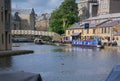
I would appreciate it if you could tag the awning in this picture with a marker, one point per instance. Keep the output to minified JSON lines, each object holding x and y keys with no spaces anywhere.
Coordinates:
{"x":75,"y":34}
{"x":19,"y":76}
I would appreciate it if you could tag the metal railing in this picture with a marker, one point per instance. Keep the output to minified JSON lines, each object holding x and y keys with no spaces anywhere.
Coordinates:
{"x":32,"y":32}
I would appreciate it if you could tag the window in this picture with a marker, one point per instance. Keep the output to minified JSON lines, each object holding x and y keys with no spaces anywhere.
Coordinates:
{"x":2,"y":39}
{"x":93,"y":31}
{"x":105,"y":30}
{"x":87,"y":31}
{"x":9,"y":38}
{"x":117,"y":38}
{"x":68,"y":32}
{"x":82,"y":31}
{"x":102,"y":30}
{"x":9,"y":18}
{"x":72,"y":31}
{"x":6,"y":18}
{"x":108,"y":29}
{"x":14,"y":26}
{"x":2,"y":16}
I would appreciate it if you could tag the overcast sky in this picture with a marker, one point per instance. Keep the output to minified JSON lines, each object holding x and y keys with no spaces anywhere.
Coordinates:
{"x":40,"y":6}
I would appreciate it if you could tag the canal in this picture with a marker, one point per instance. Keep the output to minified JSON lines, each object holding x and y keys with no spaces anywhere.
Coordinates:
{"x":63,"y":63}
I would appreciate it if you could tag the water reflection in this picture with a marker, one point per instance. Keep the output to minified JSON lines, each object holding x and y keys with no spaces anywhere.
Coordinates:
{"x":76,"y":49}
{"x":5,"y":62}
{"x":91,"y":49}
{"x":63,"y":62}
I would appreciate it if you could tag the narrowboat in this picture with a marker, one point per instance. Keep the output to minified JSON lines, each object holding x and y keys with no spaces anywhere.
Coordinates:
{"x":96,"y":42}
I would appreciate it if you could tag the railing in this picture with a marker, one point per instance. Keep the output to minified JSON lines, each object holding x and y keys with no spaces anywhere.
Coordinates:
{"x":54,"y":35}
{"x":32,"y":32}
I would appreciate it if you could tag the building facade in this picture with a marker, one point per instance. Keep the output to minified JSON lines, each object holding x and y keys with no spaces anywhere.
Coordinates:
{"x":108,"y":7}
{"x":104,"y":21}
{"x":87,"y":8}
{"x":83,"y":9}
{"x":103,"y":7}
{"x":105,"y":30}
{"x":23,"y":19}
{"x":42,"y":22}
{"x":92,"y":8}
{"x":5,"y":25}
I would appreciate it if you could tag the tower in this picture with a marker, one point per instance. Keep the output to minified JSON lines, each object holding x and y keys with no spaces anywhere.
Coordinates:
{"x":108,"y":7}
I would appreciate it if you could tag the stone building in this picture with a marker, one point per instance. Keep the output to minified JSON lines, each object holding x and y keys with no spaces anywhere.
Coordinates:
{"x":16,"y":22}
{"x":42,"y":22}
{"x":23,"y":19}
{"x":104,"y":21}
{"x":87,"y":8}
{"x":83,"y":9}
{"x":105,"y":30}
{"x":92,"y":8}
{"x":5,"y":25}
{"x":108,"y":6}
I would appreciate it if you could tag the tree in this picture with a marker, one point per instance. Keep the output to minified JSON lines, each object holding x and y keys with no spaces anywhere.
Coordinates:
{"x":64,"y":16}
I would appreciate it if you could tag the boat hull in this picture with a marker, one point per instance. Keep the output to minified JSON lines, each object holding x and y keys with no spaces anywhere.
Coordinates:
{"x":86,"y":43}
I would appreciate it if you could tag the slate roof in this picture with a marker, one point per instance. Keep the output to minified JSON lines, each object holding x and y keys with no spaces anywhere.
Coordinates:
{"x":107,"y":23}
{"x":16,"y":17}
{"x":45,"y":16}
{"x":107,"y":16}
{"x":75,"y":26}
{"x":110,"y":23}
{"x":22,"y":11}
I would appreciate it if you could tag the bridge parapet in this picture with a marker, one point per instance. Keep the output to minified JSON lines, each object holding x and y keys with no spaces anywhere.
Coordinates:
{"x":32,"y":32}
{"x":54,"y":35}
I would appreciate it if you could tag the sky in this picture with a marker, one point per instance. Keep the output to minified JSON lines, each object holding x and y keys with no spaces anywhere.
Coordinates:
{"x":40,"y":6}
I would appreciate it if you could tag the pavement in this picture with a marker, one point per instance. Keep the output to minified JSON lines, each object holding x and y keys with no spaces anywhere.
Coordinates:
{"x":15,"y":52}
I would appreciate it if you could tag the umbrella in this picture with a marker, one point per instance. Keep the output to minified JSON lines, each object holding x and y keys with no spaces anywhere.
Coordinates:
{"x":20,"y":76}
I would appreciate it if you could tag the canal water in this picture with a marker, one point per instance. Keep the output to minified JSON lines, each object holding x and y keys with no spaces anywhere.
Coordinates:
{"x":63,"y":63}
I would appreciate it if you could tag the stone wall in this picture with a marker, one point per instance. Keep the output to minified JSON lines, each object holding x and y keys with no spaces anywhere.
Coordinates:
{"x":114,"y":6}
{"x":5,"y":25}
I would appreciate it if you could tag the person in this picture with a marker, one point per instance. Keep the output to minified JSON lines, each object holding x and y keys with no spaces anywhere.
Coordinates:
{"x":99,"y":42}
{"x":114,"y":43}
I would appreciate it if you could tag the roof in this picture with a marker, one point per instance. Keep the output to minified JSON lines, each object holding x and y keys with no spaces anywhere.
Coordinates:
{"x":107,"y":23}
{"x":75,"y":26}
{"x":110,"y":23}
{"x":15,"y":17}
{"x":45,"y":16}
{"x":22,"y":11}
{"x":106,"y":16}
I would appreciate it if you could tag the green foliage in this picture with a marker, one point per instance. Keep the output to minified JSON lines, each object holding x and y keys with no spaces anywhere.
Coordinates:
{"x":64,"y":16}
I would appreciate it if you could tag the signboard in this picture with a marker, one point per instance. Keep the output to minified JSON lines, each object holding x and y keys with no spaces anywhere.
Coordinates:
{"x":86,"y":26}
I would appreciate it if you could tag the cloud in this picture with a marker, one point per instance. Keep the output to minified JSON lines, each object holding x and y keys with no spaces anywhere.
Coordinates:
{"x":40,"y":6}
